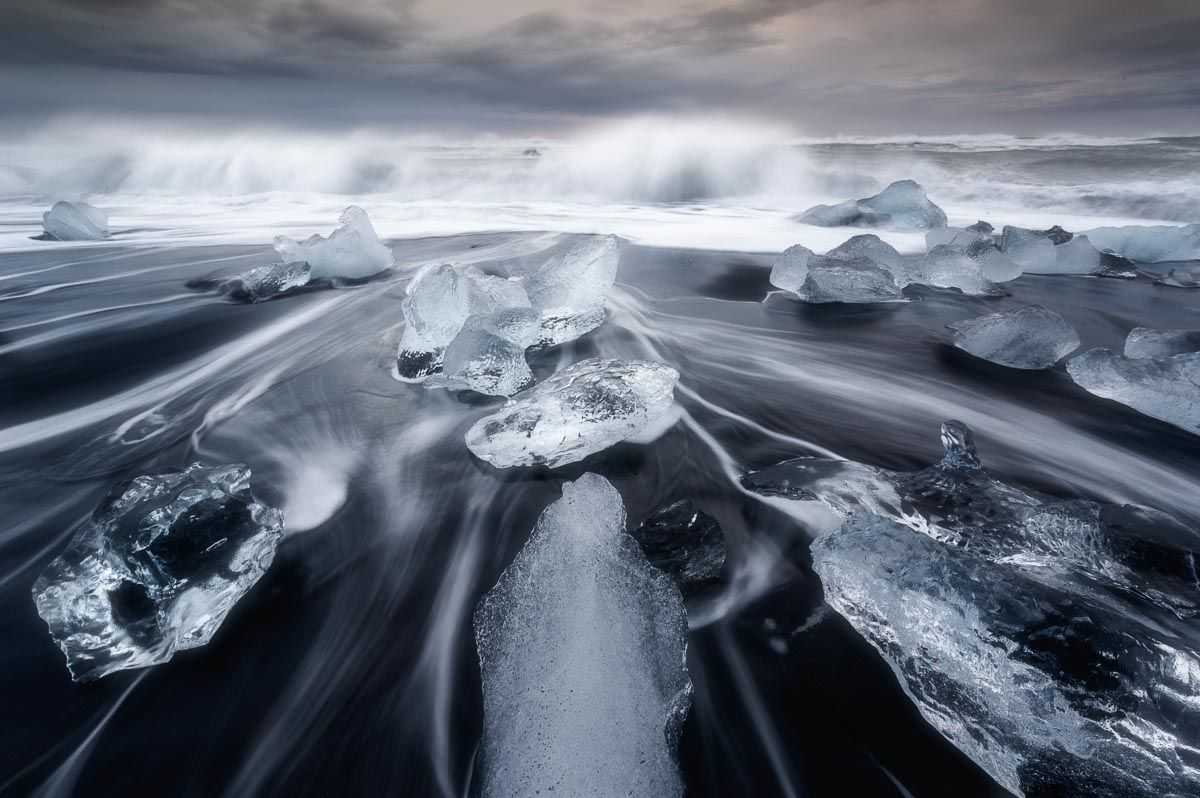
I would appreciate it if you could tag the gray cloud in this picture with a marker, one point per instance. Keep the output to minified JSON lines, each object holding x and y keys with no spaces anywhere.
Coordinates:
{"x":828,"y":65}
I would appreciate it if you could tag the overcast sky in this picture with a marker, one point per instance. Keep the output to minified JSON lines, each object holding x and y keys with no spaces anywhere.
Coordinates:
{"x":534,"y":66}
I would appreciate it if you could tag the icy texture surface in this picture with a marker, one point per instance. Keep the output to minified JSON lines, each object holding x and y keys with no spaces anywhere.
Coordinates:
{"x":1180,"y":278}
{"x":570,"y":290}
{"x":791,"y":268}
{"x":488,"y":354}
{"x":1053,"y":251}
{"x":1166,"y":388}
{"x":75,"y":221}
{"x":957,"y":237}
{"x":1032,"y":337}
{"x":1144,"y":342}
{"x":1042,"y":637}
{"x":352,"y":251}
{"x":438,"y":302}
{"x":156,"y":569}
{"x":582,"y":646}
{"x":836,"y":279}
{"x":686,"y":543}
{"x":264,"y":282}
{"x":576,"y":412}
{"x":1077,"y":256}
{"x":1150,"y":244}
{"x":947,"y":267}
{"x":871,"y":247}
{"x":901,"y":206}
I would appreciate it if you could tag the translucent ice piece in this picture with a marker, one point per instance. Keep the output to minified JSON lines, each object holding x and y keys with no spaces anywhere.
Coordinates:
{"x":1166,"y":388}
{"x":582,"y":652}
{"x":1031,"y":337}
{"x":1149,"y":243}
{"x":156,"y":569}
{"x":265,"y":282}
{"x":903,"y":205}
{"x":352,"y":251}
{"x":851,"y":280}
{"x":791,"y":268}
{"x":488,"y":354}
{"x":873,"y":248}
{"x":578,"y":411}
{"x":1144,"y":342}
{"x":75,"y":221}
{"x":570,"y":289}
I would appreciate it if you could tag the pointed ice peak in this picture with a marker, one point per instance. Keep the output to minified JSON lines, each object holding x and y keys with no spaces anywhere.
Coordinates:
{"x":959,"y":443}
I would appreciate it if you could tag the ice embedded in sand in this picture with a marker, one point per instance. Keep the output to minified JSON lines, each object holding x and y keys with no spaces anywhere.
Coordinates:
{"x":903,"y":205}
{"x":352,"y":251}
{"x":583,"y":409}
{"x":156,"y":568}
{"x":1150,"y":243}
{"x":488,"y":353}
{"x":437,"y":303}
{"x":570,"y":289}
{"x":849,"y":280}
{"x":266,"y":282}
{"x":75,"y":221}
{"x":1166,"y":388}
{"x":582,"y":653}
{"x":1032,"y":337}
{"x":1145,"y":342}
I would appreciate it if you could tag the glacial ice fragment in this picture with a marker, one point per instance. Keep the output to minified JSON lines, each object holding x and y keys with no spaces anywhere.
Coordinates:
{"x":790,"y":269}
{"x":957,"y":237}
{"x":903,"y":205}
{"x":1150,"y":243}
{"x":686,"y":543}
{"x":583,"y":409}
{"x":851,"y":280}
{"x":1145,"y":342}
{"x":1166,"y":388}
{"x":437,"y":303}
{"x":570,"y":289}
{"x":1077,"y":256}
{"x":75,"y":221}
{"x":582,"y":653}
{"x":156,"y":568}
{"x":947,"y":267}
{"x":1032,"y":337}
{"x":266,"y":282}
{"x":488,"y":353}
{"x":1052,"y":251}
{"x":352,"y":251}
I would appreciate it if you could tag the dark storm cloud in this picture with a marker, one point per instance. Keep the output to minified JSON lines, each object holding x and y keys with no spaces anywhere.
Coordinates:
{"x":902,"y":65}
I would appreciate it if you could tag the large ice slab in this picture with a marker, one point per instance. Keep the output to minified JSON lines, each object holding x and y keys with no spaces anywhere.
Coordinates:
{"x":75,"y":221}
{"x":156,"y":568}
{"x":1032,"y":337}
{"x":1166,"y":388}
{"x":583,"y":409}
{"x":1145,"y":342}
{"x":1150,"y":243}
{"x":352,"y":251}
{"x":582,"y":652}
{"x":570,"y":289}
{"x":903,"y":205}
{"x":846,"y":279}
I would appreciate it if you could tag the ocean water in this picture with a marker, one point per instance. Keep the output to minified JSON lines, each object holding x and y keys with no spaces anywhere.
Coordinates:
{"x":350,"y":669}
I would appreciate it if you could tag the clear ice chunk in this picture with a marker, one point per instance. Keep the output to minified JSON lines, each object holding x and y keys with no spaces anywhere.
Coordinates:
{"x":582,"y":653}
{"x":266,"y":282}
{"x":1047,"y":639}
{"x":871,"y":247}
{"x":1145,"y":342}
{"x":957,"y":237}
{"x":1032,"y":337}
{"x":488,"y":353}
{"x":352,"y":251}
{"x":583,"y":409}
{"x":947,"y":267}
{"x":75,"y":221}
{"x":1150,"y":243}
{"x":686,"y":543}
{"x":156,"y":569}
{"x":1166,"y":388}
{"x":570,"y":289}
{"x":1032,"y":250}
{"x":903,"y":205}
{"x":850,"y":280}
{"x":437,"y":303}
{"x":790,"y":269}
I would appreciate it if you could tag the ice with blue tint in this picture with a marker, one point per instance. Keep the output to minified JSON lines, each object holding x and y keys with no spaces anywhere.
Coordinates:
{"x":1031,"y":337}
{"x":845,"y":279}
{"x":569,"y":289}
{"x":1145,"y":342}
{"x":352,"y":251}
{"x":75,"y":221}
{"x":1150,"y":243}
{"x":488,"y":353}
{"x":903,"y":205}
{"x":582,"y":652}
{"x":156,"y":568}
{"x":1166,"y":388}
{"x":790,"y":268}
{"x":266,"y":282}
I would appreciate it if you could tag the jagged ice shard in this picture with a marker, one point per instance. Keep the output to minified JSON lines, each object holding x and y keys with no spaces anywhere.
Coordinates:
{"x":1049,"y":640}
{"x":1032,"y":337}
{"x":266,"y":282}
{"x":569,"y":290}
{"x":582,"y":652}
{"x":581,"y":410}
{"x":903,"y":205}
{"x":156,"y":569}
{"x":75,"y":221}
{"x":488,"y":354}
{"x":352,"y":251}
{"x":1166,"y":388}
